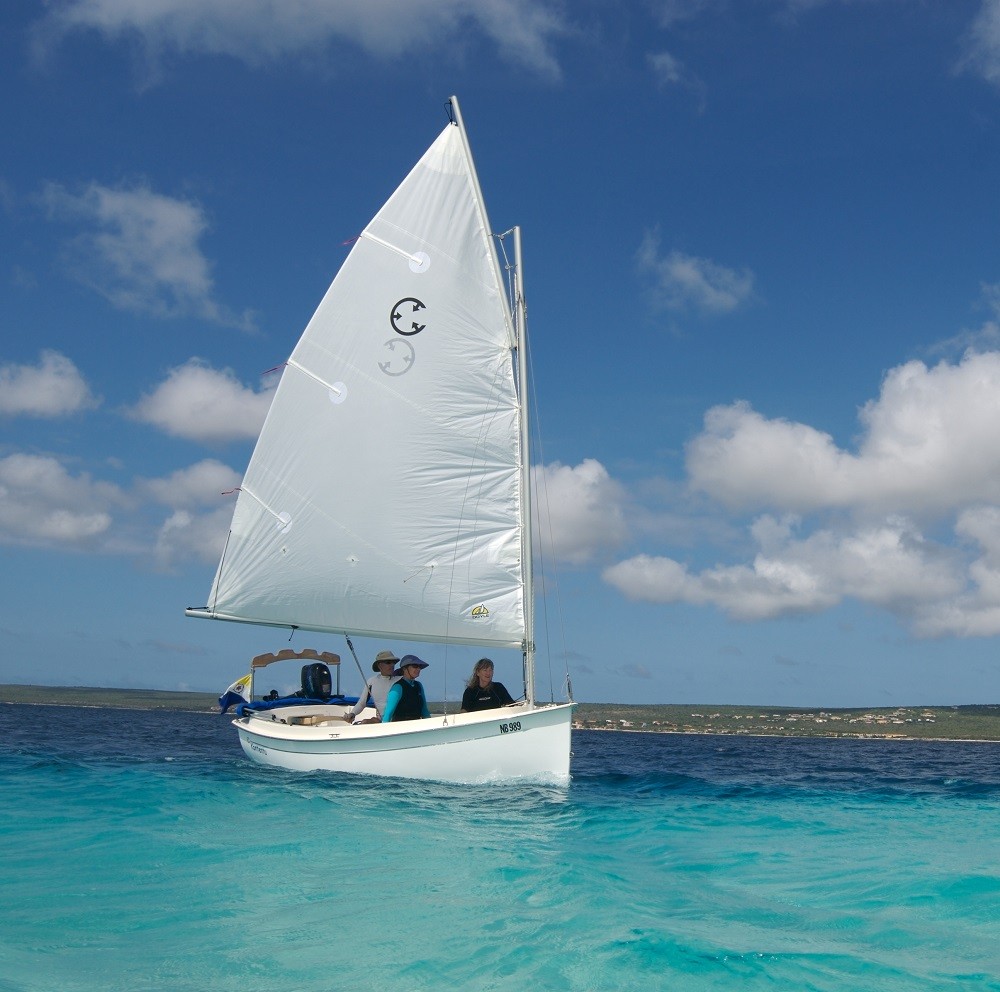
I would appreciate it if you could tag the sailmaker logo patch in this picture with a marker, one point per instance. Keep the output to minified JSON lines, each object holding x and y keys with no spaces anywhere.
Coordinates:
{"x":480,"y":612}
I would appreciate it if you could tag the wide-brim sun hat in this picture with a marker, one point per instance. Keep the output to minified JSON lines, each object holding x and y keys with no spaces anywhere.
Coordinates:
{"x":383,"y":656}
{"x":410,"y":659}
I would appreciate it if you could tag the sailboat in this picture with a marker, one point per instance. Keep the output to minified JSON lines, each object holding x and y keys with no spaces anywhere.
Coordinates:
{"x":388,"y":495}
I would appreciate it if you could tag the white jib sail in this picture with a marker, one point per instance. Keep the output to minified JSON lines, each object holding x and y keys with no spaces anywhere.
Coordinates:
{"x":383,"y":496}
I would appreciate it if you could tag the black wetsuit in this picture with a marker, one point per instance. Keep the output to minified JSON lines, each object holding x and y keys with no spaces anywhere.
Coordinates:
{"x":492,"y":697}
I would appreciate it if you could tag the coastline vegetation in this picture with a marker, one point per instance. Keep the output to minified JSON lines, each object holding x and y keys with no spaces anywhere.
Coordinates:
{"x":979,"y":722}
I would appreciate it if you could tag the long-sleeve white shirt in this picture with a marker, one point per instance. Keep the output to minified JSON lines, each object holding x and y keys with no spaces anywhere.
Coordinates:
{"x":378,"y":686}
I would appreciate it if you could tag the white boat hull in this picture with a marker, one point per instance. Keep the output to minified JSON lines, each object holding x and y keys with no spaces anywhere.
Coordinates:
{"x":511,"y":743}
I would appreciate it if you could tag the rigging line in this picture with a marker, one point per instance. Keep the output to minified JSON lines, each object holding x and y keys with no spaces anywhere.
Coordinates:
{"x":537,"y":504}
{"x":508,"y":267}
{"x":513,"y":301}
{"x":541,"y":488}
{"x":421,"y":568}
{"x":218,"y":581}
{"x":347,"y":637}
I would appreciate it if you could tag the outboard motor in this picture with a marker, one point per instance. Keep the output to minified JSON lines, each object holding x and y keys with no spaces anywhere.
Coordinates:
{"x":316,"y":681}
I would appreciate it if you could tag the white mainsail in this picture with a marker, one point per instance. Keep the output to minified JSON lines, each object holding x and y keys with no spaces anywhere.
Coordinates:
{"x":384,"y":496}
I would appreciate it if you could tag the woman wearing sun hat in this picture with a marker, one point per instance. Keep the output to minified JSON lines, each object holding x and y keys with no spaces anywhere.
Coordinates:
{"x":377,"y":687}
{"x":406,"y":699}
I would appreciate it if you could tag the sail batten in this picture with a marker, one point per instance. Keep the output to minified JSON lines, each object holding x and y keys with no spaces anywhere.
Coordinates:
{"x":384,"y":495}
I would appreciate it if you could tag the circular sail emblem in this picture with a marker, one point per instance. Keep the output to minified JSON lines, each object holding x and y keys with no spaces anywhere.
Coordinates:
{"x":403,"y":316}
{"x":402,"y":358}
{"x":480,"y":612}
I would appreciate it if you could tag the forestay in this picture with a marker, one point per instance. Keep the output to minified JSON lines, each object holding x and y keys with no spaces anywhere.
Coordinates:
{"x":383,"y":497}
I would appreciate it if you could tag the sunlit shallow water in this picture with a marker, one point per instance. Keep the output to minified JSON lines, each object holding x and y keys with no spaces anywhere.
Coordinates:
{"x":141,"y":851}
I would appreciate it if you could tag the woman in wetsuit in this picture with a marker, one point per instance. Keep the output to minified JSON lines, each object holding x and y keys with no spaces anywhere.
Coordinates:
{"x":406,"y":699}
{"x":482,"y":693}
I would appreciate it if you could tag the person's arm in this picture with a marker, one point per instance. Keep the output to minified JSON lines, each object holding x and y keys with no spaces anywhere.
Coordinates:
{"x":424,"y":712}
{"x":380,"y":692}
{"x":362,"y":701}
{"x":467,"y":700}
{"x":392,"y":701}
{"x":502,"y":694}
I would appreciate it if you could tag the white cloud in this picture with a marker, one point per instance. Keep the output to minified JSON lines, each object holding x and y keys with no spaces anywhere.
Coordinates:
{"x":670,"y":12}
{"x":200,"y":496}
{"x":186,"y":535}
{"x":984,"y":338}
{"x":200,"y":484}
{"x":261,"y":31}
{"x":930,"y":444}
{"x":52,"y":388}
{"x":670,"y":72}
{"x":976,"y":611}
{"x":581,"y":509}
{"x":140,"y":251}
{"x":41,"y":504}
{"x":908,"y":521}
{"x":204,"y":404}
{"x":684,"y":282}
{"x":982,"y":54}
{"x":888,"y":565}
{"x":666,"y":68}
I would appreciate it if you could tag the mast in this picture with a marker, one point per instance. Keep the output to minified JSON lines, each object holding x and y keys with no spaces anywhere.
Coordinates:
{"x":527,"y":571}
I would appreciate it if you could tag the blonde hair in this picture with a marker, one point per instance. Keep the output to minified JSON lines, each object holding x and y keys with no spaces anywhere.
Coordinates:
{"x":479,"y":666}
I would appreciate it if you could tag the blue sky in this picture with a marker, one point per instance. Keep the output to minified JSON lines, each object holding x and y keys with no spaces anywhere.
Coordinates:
{"x":764,"y":288}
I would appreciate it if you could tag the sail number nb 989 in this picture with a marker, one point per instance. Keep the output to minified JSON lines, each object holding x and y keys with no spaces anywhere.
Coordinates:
{"x":510,"y":728}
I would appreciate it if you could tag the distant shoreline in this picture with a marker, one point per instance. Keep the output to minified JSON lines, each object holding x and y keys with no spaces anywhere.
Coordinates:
{"x":901,"y":738}
{"x":960,"y":724}
{"x":126,"y":699}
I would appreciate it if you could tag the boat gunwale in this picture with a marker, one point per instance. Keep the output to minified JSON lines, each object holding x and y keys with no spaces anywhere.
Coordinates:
{"x":278,"y":730}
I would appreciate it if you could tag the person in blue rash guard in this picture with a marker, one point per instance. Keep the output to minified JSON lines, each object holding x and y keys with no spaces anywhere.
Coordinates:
{"x":406,"y":699}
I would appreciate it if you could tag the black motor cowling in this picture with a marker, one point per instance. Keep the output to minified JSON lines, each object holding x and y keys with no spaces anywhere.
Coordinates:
{"x":316,"y":681}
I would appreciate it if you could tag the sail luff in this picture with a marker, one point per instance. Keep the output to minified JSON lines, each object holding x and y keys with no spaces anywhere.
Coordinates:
{"x":481,"y":204}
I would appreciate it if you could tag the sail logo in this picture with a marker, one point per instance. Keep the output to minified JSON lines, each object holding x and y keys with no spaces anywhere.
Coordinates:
{"x":411,"y":306}
{"x":480,"y":612}
{"x":401,"y":357}
{"x":405,"y":319}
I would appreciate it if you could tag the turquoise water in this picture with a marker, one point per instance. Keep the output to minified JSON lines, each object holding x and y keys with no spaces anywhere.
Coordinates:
{"x":140,"y":851}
